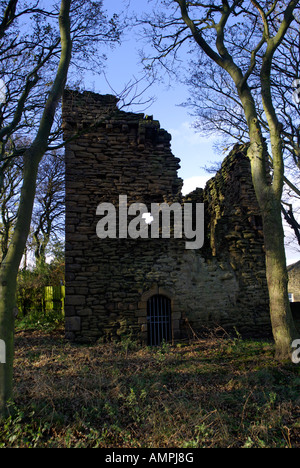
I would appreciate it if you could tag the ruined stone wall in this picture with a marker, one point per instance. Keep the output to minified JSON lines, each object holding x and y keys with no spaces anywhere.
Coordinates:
{"x":108,"y":281}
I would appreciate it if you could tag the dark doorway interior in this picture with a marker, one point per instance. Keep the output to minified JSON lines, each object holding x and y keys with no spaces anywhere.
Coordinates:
{"x":295,"y":308}
{"x":159,"y":320}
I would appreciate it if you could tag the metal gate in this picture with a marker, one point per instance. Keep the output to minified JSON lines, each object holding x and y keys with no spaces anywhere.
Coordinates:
{"x":159,"y":320}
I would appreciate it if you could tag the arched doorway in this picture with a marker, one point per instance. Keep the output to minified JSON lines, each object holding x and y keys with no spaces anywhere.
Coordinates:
{"x":159,"y":320}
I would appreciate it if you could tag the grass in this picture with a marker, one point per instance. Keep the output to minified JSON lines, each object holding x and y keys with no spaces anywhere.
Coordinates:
{"x":210,"y":393}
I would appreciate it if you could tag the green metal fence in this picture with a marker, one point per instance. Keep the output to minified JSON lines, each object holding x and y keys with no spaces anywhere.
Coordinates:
{"x":54,"y":298}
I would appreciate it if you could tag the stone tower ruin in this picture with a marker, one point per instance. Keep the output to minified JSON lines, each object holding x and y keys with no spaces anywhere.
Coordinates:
{"x":155,"y":289}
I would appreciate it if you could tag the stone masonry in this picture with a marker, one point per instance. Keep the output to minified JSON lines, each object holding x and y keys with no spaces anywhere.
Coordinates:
{"x":110,"y":281}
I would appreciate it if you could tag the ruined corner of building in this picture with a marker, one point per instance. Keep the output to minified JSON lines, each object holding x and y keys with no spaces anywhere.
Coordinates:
{"x":155,"y":289}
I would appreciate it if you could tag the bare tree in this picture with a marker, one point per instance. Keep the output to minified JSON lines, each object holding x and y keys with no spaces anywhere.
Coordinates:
{"x":32,"y":157}
{"x":218,"y":110}
{"x":241,"y":39}
{"x":47,"y":226}
{"x":9,"y":205}
{"x":49,"y":208}
{"x":38,"y":47}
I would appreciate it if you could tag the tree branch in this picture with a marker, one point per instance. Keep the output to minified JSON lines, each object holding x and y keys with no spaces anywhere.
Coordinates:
{"x":35,"y":152}
{"x":290,"y":219}
{"x":8,"y":17}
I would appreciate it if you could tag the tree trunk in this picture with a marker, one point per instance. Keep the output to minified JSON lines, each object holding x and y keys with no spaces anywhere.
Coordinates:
{"x":8,"y":278}
{"x":7,"y":305}
{"x":284,"y":330}
{"x":269,"y":200}
{"x":10,"y":265}
{"x":269,"y":193}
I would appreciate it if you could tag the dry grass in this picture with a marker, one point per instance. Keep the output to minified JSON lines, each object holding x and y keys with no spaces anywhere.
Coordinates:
{"x":210,"y":393}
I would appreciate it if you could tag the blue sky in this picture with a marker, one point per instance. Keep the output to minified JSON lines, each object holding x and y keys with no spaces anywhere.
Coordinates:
{"x":122,"y":64}
{"x":195,"y":152}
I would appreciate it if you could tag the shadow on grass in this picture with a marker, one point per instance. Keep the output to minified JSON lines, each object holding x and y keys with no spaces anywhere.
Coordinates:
{"x":210,"y":393}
